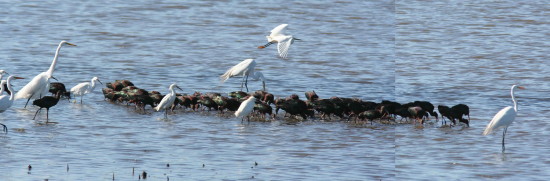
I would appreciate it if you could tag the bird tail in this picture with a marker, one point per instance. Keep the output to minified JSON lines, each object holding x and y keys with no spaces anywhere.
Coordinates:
{"x":488,"y":130}
{"x":226,"y":75}
{"x":157,"y":108}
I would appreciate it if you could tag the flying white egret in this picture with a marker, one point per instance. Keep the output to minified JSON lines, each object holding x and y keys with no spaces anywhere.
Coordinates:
{"x":246,"y":69}
{"x":504,"y":117}
{"x":168,"y":100}
{"x":283,"y":41}
{"x":246,"y":108}
{"x":84,"y":88}
{"x":40,"y":84}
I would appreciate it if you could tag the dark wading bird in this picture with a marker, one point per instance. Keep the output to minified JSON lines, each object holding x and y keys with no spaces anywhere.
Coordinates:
{"x":39,"y":85}
{"x":283,"y":41}
{"x":504,"y":117}
{"x":58,"y":86}
{"x":246,"y":69}
{"x":46,"y":102}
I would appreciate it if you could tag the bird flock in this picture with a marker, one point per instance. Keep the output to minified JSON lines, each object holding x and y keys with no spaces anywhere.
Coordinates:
{"x":246,"y":105}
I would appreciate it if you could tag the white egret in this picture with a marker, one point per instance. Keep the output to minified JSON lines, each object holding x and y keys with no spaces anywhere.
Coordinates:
{"x":504,"y":117}
{"x":246,"y":108}
{"x":283,"y":41}
{"x":84,"y":88}
{"x":7,"y":100}
{"x":40,"y":84}
{"x":168,"y":100}
{"x":246,"y":69}
{"x":2,"y":72}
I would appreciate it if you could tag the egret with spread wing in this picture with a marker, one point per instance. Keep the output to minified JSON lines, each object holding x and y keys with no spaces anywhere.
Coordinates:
{"x":283,"y":41}
{"x":246,"y":69}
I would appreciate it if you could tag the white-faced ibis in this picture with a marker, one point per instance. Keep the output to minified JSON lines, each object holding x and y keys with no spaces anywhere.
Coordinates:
{"x":7,"y":100}
{"x":459,"y":110}
{"x":55,"y":86}
{"x":246,"y":108}
{"x":245,"y":69}
{"x":428,"y":107}
{"x":418,"y":113}
{"x":46,"y":102}
{"x":39,"y":85}
{"x":84,"y":88}
{"x":371,"y":115}
{"x":445,"y":111}
{"x":168,"y":100}
{"x":263,"y":108}
{"x":293,"y":106}
{"x":504,"y":117}
{"x":283,"y":41}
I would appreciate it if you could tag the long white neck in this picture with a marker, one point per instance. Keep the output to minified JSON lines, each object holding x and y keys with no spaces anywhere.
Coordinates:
{"x":92,"y":87}
{"x":1,"y":86}
{"x":54,"y":62}
{"x":514,"y":98}
{"x":172,"y":91}
{"x":12,"y":96}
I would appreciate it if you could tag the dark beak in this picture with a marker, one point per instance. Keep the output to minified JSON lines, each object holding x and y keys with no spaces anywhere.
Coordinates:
{"x":99,"y":81}
{"x":54,"y":78}
{"x":18,"y":77}
{"x":179,"y":88}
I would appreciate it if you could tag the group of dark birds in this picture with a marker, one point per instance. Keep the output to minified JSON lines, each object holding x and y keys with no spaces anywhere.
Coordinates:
{"x":313,"y":107}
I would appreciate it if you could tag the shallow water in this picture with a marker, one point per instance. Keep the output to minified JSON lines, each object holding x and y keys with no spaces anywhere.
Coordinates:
{"x":446,"y":53}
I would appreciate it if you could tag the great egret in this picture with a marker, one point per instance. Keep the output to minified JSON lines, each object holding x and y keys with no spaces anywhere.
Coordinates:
{"x":283,"y":41}
{"x":246,"y":108}
{"x":7,"y":100}
{"x":168,"y":100}
{"x":40,"y":84}
{"x":504,"y":117}
{"x":246,"y":69}
{"x":46,"y":102}
{"x":84,"y":88}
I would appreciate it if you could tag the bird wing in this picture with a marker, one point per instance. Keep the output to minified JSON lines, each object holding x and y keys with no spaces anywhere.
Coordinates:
{"x":503,"y":118}
{"x":80,"y":88}
{"x":238,"y":69}
{"x":246,"y":107}
{"x":278,"y":30}
{"x":166,"y":101}
{"x":283,"y":45}
{"x":34,"y":88}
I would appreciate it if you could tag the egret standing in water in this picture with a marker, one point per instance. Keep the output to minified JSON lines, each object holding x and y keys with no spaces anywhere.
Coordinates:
{"x":7,"y":100}
{"x":246,"y":69}
{"x":40,"y":84}
{"x":504,"y":117}
{"x":246,"y":108}
{"x":283,"y":41}
{"x":84,"y":88}
{"x":168,"y":100}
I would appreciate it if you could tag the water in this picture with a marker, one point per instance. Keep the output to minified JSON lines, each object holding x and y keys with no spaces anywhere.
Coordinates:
{"x":443,"y":52}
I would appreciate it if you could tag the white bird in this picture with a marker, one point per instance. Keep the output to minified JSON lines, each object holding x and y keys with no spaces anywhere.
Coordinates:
{"x":246,"y":69}
{"x":2,"y":72}
{"x":283,"y":41}
{"x":40,"y":84}
{"x":84,"y":88}
{"x":7,"y":100}
{"x":168,"y":100}
{"x":504,"y":117}
{"x":246,"y":108}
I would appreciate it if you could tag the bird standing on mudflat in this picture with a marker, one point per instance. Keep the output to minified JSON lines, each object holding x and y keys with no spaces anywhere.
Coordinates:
{"x":168,"y":100}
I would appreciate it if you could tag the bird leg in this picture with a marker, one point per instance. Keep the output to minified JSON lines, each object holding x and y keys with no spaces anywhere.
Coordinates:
{"x":266,"y":45}
{"x":36,"y":113}
{"x":246,"y":83}
{"x":5,"y":128}
{"x":503,"y":134}
{"x":242,"y":83}
{"x":47,"y":111}
{"x":81,"y":98}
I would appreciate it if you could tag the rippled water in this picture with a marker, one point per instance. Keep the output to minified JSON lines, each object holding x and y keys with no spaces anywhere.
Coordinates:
{"x":443,"y":52}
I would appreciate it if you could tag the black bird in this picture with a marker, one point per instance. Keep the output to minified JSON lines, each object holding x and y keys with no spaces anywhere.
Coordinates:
{"x":459,"y":110}
{"x":58,"y":86}
{"x":445,"y":111}
{"x":46,"y":102}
